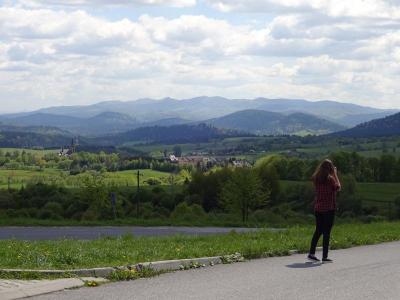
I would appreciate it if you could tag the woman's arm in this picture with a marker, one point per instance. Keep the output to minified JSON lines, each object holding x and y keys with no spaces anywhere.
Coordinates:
{"x":336,"y":178}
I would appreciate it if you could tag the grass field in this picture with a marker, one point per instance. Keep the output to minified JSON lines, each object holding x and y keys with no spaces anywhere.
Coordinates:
{"x":48,"y":175}
{"x":378,"y":191}
{"x":369,"y":192}
{"x":22,"y":177}
{"x":129,"y":250}
{"x":40,"y":152}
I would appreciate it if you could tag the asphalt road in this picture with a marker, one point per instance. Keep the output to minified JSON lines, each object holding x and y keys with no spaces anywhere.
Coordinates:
{"x":365,"y":273}
{"x":88,"y":233}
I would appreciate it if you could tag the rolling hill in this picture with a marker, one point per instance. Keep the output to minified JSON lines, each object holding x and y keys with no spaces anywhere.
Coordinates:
{"x":271,"y":123}
{"x":144,"y":111}
{"x":18,"y":139}
{"x":166,"y":134}
{"x":388,"y":126}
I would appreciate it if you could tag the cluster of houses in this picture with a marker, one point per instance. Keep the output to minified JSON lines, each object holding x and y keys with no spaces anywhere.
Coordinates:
{"x":207,"y":161}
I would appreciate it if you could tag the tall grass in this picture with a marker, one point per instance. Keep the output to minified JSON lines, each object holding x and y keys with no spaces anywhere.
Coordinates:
{"x":67,"y":254}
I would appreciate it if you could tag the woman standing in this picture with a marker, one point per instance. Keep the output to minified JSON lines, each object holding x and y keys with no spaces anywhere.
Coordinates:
{"x":327,"y":184}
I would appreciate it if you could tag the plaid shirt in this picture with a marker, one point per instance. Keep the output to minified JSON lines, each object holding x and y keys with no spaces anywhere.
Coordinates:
{"x":325,"y":196}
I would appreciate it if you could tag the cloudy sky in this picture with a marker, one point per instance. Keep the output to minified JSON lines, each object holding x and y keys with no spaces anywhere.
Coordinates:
{"x":65,"y":52}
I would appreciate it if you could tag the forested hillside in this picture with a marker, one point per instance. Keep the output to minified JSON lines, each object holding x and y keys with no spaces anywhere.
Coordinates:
{"x":388,"y":126}
{"x":272,"y":123}
{"x":172,"y":134}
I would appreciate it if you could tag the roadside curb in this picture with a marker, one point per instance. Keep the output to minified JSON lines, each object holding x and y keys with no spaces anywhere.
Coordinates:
{"x":166,"y":265}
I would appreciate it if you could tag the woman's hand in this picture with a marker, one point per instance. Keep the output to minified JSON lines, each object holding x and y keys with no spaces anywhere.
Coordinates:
{"x":339,"y":186}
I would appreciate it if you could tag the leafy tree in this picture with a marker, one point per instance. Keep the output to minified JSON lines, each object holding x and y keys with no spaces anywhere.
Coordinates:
{"x":95,"y":194}
{"x":209,"y":186}
{"x":296,"y":169}
{"x":387,"y":168}
{"x":244,"y":192}
{"x":270,"y":181}
{"x":348,"y":201}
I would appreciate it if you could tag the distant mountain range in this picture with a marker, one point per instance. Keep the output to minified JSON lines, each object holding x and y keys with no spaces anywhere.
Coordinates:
{"x":106,"y":122}
{"x":236,"y":124}
{"x":203,"y":108}
{"x":262,"y":122}
{"x":117,"y":116}
{"x":388,"y":126}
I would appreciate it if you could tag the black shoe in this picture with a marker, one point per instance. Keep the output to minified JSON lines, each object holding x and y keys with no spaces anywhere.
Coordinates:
{"x":313,"y":258}
{"x":327,"y":260}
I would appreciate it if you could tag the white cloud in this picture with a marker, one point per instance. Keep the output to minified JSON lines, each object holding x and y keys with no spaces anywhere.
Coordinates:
{"x":63,"y":56}
{"x":89,"y":3}
{"x":337,"y":8}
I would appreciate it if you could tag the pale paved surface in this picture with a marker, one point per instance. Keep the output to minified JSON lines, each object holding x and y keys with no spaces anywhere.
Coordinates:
{"x":365,"y":273}
{"x":16,"y":289}
{"x":87,"y":233}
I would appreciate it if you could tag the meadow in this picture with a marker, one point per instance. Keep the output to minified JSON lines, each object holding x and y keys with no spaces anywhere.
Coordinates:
{"x":376,"y":191}
{"x":69,"y":254}
{"x":61,"y":188}
{"x":19,"y":178}
{"x":379,"y":196}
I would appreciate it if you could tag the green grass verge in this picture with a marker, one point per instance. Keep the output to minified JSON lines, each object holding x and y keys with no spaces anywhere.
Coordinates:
{"x":54,"y":176}
{"x":68,"y":254}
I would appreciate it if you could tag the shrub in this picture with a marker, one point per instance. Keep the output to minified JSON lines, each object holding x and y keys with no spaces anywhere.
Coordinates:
{"x":6,"y":200}
{"x":198,"y":211}
{"x":193,"y":199}
{"x":48,"y":214}
{"x":153,"y":181}
{"x":397,"y":206}
{"x":54,"y":207}
{"x":90,"y":215}
{"x":181,"y":211}
{"x":186,"y":212}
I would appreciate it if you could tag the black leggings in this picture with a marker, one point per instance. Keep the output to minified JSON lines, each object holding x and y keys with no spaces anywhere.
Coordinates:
{"x":324,"y":224}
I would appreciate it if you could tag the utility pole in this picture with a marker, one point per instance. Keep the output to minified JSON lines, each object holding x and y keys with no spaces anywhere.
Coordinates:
{"x":113,"y":204}
{"x":171,"y":180}
{"x":137,"y":193}
{"x":10,"y":177}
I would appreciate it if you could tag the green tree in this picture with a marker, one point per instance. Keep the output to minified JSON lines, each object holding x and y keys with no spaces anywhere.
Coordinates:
{"x":270,"y":181}
{"x":387,"y":168}
{"x":348,"y":201}
{"x":95,"y":195}
{"x":244,"y":192}
{"x":209,"y":186}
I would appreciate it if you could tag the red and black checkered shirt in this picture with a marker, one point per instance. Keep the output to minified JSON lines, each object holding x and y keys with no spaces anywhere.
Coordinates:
{"x":325,"y":195}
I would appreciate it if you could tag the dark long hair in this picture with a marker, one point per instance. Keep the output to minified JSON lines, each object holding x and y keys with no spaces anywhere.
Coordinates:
{"x":323,"y":172}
